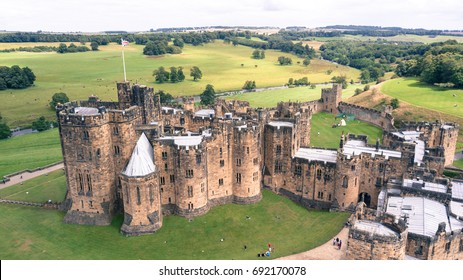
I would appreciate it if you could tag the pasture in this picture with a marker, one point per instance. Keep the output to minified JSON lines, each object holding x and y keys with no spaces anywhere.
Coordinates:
{"x":29,"y":151}
{"x":410,"y":90}
{"x":83,"y":74}
{"x":34,"y":233}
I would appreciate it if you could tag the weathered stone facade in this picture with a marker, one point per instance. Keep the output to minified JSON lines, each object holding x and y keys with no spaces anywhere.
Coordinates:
{"x":195,"y":160}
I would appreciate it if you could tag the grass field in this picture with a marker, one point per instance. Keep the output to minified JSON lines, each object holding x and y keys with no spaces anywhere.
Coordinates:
{"x":29,"y":151}
{"x":82,"y":74}
{"x":270,"y":98}
{"x":329,"y":137}
{"x":32,"y":233}
{"x":458,"y":163}
{"x":40,"y":189}
{"x":423,"y":95}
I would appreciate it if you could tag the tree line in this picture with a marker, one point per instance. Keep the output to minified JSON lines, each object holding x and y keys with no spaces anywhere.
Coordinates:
{"x":161,"y":75}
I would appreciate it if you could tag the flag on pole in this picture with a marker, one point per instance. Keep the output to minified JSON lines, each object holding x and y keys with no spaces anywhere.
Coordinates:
{"x":124,"y":42}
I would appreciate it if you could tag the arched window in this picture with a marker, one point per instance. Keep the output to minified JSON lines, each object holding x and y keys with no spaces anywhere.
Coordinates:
{"x":151,"y":192}
{"x":138,"y":196}
{"x":319,"y":174}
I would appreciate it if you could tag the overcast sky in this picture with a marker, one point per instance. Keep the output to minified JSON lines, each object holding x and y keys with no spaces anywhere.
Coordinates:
{"x":141,"y":15}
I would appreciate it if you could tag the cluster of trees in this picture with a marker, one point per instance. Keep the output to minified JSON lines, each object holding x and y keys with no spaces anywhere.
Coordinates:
{"x":258,"y":54}
{"x":41,"y":124}
{"x":249,"y":85}
{"x":16,"y":77}
{"x":342,"y":80}
{"x":298,"y":82}
{"x":283,"y":60}
{"x":164,"y":97}
{"x":162,"y":47}
{"x":441,"y":64}
{"x":5,"y":131}
{"x":31,"y":49}
{"x":72,"y":48}
{"x":161,"y":75}
{"x":59,"y":97}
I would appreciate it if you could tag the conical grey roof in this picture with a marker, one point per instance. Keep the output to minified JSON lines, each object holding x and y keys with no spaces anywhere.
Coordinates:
{"x":142,"y":161}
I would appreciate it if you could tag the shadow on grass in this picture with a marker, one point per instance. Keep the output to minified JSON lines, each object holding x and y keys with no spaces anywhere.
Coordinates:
{"x":423,"y":85}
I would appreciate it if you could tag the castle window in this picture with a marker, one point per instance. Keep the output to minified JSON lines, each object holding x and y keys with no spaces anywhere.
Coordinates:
{"x":166,"y":167}
{"x":89,"y":182}
{"x":86,"y":136}
{"x":278,"y":150}
{"x":220,"y":182}
{"x":355,"y":182}
{"x":164,"y":155}
{"x":98,"y":153}
{"x":447,"y":246}
{"x":326,"y":177}
{"x":367,"y":164}
{"x":198,"y":159}
{"x":238,"y":178}
{"x":190,"y":191}
{"x":138,"y":196}
{"x":319,"y":174}
{"x":247,"y":150}
{"x":162,"y":180}
{"x":418,"y":248}
{"x":117,"y":150}
{"x":255,"y":161}
{"x":127,"y":199}
{"x":220,"y":152}
{"x":320,"y":195}
{"x":81,"y":183}
{"x":172,"y":178}
{"x":299,"y":188}
{"x":379,"y":182}
{"x":329,"y":197}
{"x":381,"y":167}
{"x":345,"y":182}
{"x":352,"y":167}
{"x":278,"y":166}
{"x":238,"y":162}
{"x":170,"y":200}
{"x":298,"y":170}
{"x":82,"y":203}
{"x":182,"y":121}
{"x":190,"y":206}
{"x":202,"y":187}
{"x":116,"y":131}
{"x":222,"y":163}
{"x":90,"y":155}
{"x":255,"y":175}
{"x":90,"y":203}
{"x":189,"y":173}
{"x":151,"y":192}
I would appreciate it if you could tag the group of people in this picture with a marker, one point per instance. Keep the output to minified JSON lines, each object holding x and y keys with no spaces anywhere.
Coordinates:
{"x":337,"y":242}
{"x":265,"y":254}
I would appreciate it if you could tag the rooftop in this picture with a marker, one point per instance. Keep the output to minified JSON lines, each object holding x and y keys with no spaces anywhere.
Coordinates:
{"x":141,"y":162}
{"x":174,"y":110}
{"x":408,"y":135}
{"x":86,"y":111}
{"x":428,"y":186}
{"x":357,"y":147}
{"x":374,"y":228}
{"x":457,"y":190}
{"x":278,"y":124}
{"x":205,"y":113}
{"x":317,"y":155}
{"x":424,"y":215}
{"x":185,"y":141}
{"x":456,"y":208}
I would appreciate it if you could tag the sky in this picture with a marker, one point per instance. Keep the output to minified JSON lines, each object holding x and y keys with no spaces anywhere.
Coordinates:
{"x":142,"y":15}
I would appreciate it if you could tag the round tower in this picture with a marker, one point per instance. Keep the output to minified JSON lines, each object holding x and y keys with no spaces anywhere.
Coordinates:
{"x":140,"y":191}
{"x":246,"y":164}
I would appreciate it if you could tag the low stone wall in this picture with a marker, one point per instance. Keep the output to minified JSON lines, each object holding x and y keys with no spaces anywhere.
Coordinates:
{"x":6,"y":178}
{"x":32,"y":204}
{"x":375,"y":117}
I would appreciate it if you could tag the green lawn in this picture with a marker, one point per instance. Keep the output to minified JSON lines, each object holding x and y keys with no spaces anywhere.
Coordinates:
{"x":329,"y":137}
{"x":423,"y":95}
{"x":29,"y":151}
{"x":458,"y":163}
{"x":270,"y":98}
{"x":82,"y":74}
{"x":32,"y":233}
{"x":40,"y":189}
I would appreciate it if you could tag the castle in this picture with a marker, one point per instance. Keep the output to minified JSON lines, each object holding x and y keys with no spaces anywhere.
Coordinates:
{"x":147,"y":161}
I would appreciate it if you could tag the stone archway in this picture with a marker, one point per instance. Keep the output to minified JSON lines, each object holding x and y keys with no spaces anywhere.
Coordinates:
{"x":365,"y":197}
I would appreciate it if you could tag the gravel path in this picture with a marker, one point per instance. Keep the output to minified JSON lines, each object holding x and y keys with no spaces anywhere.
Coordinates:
{"x":29,"y":175}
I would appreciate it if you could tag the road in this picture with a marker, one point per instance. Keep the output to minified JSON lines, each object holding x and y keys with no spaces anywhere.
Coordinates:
{"x":29,"y":175}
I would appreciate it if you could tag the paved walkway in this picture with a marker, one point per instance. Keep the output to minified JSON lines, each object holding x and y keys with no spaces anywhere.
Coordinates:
{"x":324,"y":252}
{"x":29,"y":175}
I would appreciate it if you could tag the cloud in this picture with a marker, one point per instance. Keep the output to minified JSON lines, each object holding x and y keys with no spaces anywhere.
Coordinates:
{"x":270,"y":5}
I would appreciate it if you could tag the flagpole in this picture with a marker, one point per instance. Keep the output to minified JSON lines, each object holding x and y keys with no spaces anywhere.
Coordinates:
{"x":123,"y":61}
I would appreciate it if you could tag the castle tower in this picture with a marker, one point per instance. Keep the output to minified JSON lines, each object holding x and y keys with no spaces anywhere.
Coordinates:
{"x":331,"y":97}
{"x":246,"y":184}
{"x":140,"y":189}
{"x":88,"y":160}
{"x":124,"y":95}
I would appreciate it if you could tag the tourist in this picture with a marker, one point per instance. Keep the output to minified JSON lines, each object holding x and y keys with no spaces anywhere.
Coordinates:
{"x":334,"y":241}
{"x":339,"y":244}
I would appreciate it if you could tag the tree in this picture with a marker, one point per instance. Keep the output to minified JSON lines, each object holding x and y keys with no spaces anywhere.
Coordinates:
{"x":180,"y":75}
{"x":59,"y":97}
{"x":173,"y":74}
{"x":395,"y":103}
{"x":41,"y":124}
{"x":165,"y":97}
{"x":5,"y":131}
{"x":262,"y":54}
{"x":290,"y":81}
{"x":285,"y":60}
{"x":208,"y":95}
{"x":94,"y":45}
{"x":179,"y":42}
{"x":249,"y":85}
{"x":342,"y":80}
{"x":196,"y":73}
{"x":306,"y":61}
{"x":256,"y":54}
{"x":62,"y":48}
{"x":161,"y":75}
